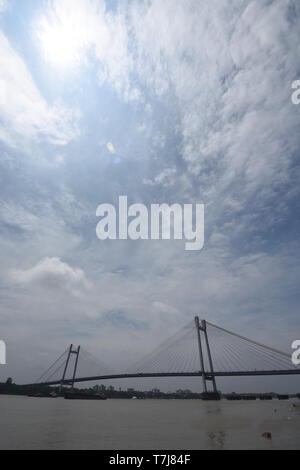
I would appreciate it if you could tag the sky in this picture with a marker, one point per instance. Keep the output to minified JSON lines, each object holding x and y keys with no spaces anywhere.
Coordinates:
{"x":164,"y":102}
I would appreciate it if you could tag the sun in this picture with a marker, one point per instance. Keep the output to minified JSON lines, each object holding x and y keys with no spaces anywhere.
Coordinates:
{"x":60,"y":41}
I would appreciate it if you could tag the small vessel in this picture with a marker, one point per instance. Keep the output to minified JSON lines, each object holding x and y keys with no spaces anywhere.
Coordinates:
{"x":42,"y":395}
{"x":283,"y":397}
{"x":234,"y":397}
{"x":83,"y":396}
{"x":210,"y":396}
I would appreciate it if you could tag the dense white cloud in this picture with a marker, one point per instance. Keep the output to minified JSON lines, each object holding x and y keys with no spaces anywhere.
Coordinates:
{"x":52,"y":273}
{"x":25,"y":114}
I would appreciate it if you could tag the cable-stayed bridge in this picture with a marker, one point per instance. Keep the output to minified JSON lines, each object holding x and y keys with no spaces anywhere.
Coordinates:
{"x":200,"y":349}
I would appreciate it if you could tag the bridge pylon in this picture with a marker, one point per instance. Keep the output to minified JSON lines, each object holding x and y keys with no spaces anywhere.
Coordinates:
{"x":207,"y":376}
{"x":71,"y":352}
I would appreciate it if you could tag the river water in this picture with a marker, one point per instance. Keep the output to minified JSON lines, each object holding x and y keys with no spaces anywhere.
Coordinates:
{"x":39,"y":423}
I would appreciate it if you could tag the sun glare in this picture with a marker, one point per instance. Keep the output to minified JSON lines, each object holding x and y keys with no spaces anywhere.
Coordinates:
{"x":60,"y":42}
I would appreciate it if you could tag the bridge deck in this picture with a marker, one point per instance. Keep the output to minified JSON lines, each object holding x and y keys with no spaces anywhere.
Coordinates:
{"x":177,"y":374}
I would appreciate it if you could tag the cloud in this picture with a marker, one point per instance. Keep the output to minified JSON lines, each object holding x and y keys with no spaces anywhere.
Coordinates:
{"x":52,"y":273}
{"x":229,"y":72}
{"x":25,"y":115}
{"x":166,"y":178}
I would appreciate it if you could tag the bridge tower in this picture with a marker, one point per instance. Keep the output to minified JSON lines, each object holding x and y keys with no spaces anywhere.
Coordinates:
{"x":207,"y":376}
{"x":71,"y":352}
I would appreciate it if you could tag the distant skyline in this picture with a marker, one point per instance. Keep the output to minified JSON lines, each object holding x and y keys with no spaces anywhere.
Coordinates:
{"x":184,"y":102}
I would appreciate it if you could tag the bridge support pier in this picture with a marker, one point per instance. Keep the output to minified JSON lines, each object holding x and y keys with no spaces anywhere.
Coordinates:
{"x":207,"y":376}
{"x":71,"y":351}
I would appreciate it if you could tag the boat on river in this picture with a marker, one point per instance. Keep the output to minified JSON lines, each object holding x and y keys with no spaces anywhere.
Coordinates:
{"x":83,"y":396}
